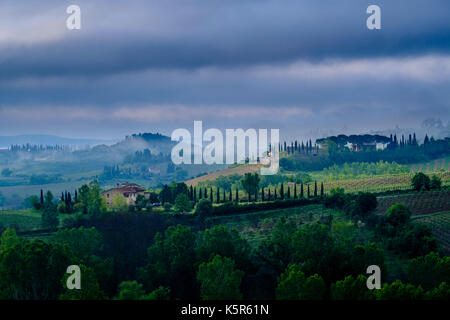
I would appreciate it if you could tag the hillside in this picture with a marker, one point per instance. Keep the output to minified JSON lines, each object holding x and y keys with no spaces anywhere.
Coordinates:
{"x":240,"y":170}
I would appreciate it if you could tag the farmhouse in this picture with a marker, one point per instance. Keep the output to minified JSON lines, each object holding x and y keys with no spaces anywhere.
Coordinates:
{"x":128,"y":190}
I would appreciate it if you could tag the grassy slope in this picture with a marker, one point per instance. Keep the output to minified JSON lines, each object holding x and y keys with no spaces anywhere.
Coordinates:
{"x":25,"y":220}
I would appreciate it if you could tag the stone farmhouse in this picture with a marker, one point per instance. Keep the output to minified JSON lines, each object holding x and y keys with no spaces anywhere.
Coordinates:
{"x":128,"y":190}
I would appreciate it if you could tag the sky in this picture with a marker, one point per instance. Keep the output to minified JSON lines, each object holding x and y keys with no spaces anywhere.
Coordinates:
{"x":308,"y":68}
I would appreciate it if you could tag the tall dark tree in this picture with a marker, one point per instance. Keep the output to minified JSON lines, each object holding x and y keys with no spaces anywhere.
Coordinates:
{"x":275,"y":193}
{"x":315,"y":188}
{"x":195,"y":194}
{"x":218,"y":195}
{"x":295,"y":190}
{"x":288,"y":192}
{"x":308,"y":191}
{"x":282,"y":191}
{"x":301,"y":190}
{"x":200,"y":193}
{"x":230,"y":196}
{"x":205,"y":195}
{"x":321,"y":189}
{"x":191,"y":193}
{"x":268,"y":194}
{"x":42,"y":198}
{"x":211,"y":195}
{"x":76,"y":196}
{"x":262,"y":194}
{"x":237,"y":195}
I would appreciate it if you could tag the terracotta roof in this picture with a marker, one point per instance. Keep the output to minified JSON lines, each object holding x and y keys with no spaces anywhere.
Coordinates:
{"x":127,"y":188}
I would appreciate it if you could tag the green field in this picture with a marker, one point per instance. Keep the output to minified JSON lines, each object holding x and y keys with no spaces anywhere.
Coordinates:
{"x":23,"y":220}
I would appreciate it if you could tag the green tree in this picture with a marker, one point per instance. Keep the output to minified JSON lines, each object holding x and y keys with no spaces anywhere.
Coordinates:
{"x":226,"y":243}
{"x":204,"y":208}
{"x":399,"y":291}
{"x":31,"y":270}
{"x":130,"y":290}
{"x":250,"y":183}
{"x":351,"y":289}
{"x":317,"y":251}
{"x":84,"y":243}
{"x":182,"y":203}
{"x":420,"y":182}
{"x":90,"y":199}
{"x":120,"y":203}
{"x":219,"y":279}
{"x":294,"y":285}
{"x":50,"y":218}
{"x":172,"y":261}
{"x":141,"y":202}
{"x":160,"y":293}
{"x":398,"y":215}
{"x":90,"y":289}
{"x":435,"y":183}
{"x":277,"y":250}
{"x":442,"y":292}
{"x":429,"y":271}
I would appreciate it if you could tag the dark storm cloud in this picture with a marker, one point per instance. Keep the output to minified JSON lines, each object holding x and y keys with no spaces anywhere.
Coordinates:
{"x":131,"y":36}
{"x":154,"y":65}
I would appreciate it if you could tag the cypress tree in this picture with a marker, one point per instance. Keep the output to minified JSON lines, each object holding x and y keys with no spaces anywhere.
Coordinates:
{"x":321,"y":189}
{"x":76,"y":196}
{"x":289,"y":192}
{"x":195,"y":194}
{"x":230,"y":196}
{"x":237,"y":195}
{"x":211,"y":195}
{"x":275,"y":194}
{"x":301,"y":190}
{"x":268,"y":195}
{"x":315,"y":188}
{"x":295,"y":190}
{"x":224,"y":196}
{"x":282,"y":191}
{"x":200,"y":194}
{"x":191,"y":194}
{"x":218,"y":195}
{"x":308,"y":190}
{"x":42,"y":197}
{"x":262,"y":194}
{"x":256,"y":194}
{"x":62,"y":197}
{"x":206,"y":194}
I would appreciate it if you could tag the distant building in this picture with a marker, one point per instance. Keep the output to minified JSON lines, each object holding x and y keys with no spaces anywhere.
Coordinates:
{"x":128,"y":190}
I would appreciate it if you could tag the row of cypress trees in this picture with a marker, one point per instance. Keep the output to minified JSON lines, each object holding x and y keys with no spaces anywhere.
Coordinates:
{"x":221,"y":195}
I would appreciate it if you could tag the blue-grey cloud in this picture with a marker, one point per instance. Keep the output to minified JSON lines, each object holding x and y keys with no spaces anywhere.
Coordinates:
{"x":154,"y":65}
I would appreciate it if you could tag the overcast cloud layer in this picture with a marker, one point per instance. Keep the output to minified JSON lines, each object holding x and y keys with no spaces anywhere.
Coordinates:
{"x":306,"y":67}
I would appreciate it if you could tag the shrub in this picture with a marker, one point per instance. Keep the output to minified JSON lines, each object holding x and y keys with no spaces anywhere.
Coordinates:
{"x":204,"y":208}
{"x":420,"y":182}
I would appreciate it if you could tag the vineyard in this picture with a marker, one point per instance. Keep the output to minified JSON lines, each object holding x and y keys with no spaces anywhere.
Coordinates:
{"x":432,"y":166}
{"x":419,"y":203}
{"x":440,"y":224}
{"x":381,"y":183}
{"x":257,"y":226}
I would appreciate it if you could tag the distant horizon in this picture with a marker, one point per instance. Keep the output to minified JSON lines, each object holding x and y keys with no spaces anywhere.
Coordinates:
{"x":168,"y":134}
